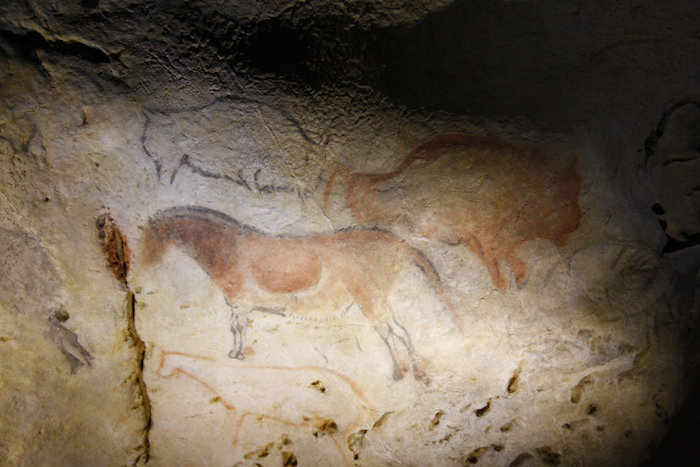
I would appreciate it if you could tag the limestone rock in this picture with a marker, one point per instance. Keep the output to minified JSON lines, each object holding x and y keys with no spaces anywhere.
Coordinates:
{"x":346,"y":232}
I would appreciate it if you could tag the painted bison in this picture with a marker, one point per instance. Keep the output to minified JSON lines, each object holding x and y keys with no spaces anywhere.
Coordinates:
{"x":487,"y":195}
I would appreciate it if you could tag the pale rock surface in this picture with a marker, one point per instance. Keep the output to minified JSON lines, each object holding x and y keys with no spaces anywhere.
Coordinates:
{"x":116,"y":353}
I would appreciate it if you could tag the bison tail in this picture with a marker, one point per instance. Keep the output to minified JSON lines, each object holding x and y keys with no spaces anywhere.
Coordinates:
{"x":571,"y":178}
{"x":341,"y":170}
{"x":570,"y":182}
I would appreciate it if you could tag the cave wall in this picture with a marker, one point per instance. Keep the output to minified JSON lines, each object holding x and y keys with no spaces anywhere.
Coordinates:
{"x":347,"y":233}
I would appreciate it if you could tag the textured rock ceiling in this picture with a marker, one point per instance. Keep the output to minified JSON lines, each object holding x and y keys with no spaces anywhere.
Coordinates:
{"x":348,"y":232}
{"x":546,"y":60}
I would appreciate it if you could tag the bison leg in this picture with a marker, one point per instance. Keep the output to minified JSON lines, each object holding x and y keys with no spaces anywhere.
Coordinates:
{"x":238,"y":330}
{"x":491,"y":261}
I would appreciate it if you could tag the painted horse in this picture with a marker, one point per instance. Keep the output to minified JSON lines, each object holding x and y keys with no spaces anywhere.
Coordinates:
{"x":297,"y":275}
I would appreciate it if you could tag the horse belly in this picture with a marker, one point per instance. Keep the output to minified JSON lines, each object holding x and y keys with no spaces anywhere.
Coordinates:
{"x":285,"y":269}
{"x":327,"y":298}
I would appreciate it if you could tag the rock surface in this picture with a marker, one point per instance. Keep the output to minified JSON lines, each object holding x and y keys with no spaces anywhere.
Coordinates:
{"x":346,"y":232}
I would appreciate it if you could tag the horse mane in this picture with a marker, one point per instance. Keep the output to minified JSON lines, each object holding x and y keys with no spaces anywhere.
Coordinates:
{"x":197,"y":212}
{"x":159,"y":233}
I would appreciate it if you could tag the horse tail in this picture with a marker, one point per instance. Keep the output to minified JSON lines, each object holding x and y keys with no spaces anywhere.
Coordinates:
{"x":429,"y":270}
{"x":341,"y":170}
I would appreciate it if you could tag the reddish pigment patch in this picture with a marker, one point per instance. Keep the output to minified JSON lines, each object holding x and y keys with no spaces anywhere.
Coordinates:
{"x":487,"y":195}
{"x":115,"y":246}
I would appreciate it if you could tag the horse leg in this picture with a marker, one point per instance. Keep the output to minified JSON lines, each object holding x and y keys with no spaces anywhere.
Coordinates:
{"x":391,"y":333}
{"x":379,"y":313}
{"x":238,"y":331}
{"x":384,"y":330}
{"x":402,"y":335}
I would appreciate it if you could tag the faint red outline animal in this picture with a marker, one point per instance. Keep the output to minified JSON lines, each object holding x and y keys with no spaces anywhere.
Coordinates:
{"x":297,"y":275}
{"x":319,"y":398}
{"x":488,"y":195}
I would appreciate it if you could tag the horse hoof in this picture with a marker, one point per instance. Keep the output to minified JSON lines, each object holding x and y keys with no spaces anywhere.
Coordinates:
{"x":237,"y":354}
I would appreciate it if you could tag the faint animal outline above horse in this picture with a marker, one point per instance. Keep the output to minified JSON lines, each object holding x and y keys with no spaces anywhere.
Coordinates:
{"x":297,"y":274}
{"x":488,"y":195}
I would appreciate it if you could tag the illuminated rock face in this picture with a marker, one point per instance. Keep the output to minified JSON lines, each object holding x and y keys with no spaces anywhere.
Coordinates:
{"x":289,"y":235}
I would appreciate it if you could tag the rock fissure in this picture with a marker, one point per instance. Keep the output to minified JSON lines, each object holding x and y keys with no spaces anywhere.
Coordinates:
{"x":31,"y":41}
{"x":117,"y":251}
{"x":140,"y":348}
{"x":509,"y":167}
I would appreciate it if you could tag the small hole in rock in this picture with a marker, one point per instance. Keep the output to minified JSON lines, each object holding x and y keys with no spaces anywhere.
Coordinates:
{"x":657,"y":209}
{"x":61,"y":315}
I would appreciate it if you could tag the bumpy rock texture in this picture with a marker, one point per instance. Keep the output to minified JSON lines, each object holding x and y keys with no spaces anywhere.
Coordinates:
{"x":348,"y":232}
